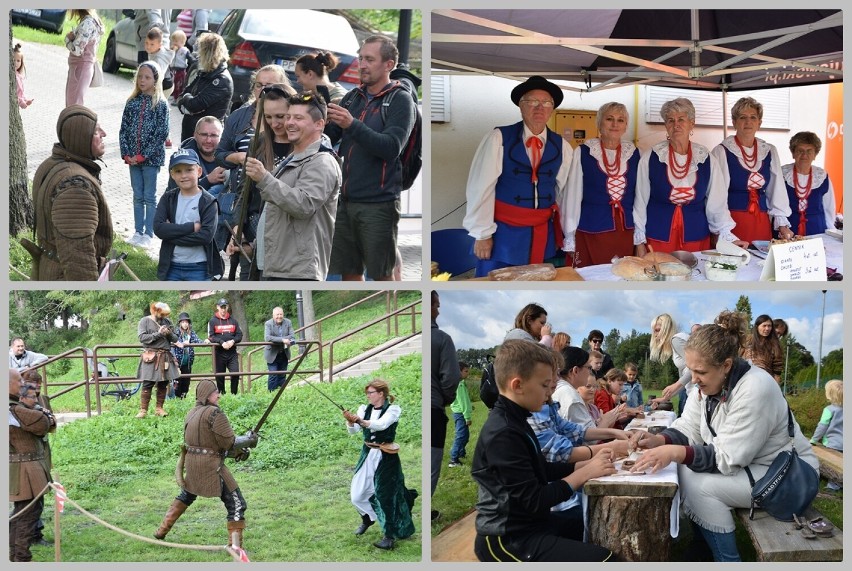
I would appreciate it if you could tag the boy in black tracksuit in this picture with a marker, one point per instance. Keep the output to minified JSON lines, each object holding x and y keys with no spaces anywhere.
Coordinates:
{"x":224,"y":331}
{"x":517,"y":487}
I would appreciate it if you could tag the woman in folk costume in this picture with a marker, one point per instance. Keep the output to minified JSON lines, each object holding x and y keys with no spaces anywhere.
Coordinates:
{"x":751,"y":171}
{"x":809,"y":189}
{"x":680,"y":196}
{"x":598,"y":218}
{"x":208,"y":440}
{"x":516,"y":185}
{"x":378,"y":487}
{"x":157,"y":365}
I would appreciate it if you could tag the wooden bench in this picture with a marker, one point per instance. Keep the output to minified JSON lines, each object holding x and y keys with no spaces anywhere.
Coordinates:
{"x":780,"y":541}
{"x":455,"y":543}
{"x":830,"y":463}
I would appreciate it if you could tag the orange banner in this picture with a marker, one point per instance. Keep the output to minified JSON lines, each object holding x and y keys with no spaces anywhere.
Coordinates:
{"x":834,"y":142}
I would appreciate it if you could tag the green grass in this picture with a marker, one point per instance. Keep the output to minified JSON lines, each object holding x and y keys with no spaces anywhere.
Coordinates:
{"x":36,"y":36}
{"x":139,"y":262}
{"x":456,"y":494}
{"x":296,"y":482}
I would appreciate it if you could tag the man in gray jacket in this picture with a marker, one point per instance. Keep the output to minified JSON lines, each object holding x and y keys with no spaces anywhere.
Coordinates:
{"x":279,"y":332}
{"x":20,"y":358}
{"x":300,"y":198}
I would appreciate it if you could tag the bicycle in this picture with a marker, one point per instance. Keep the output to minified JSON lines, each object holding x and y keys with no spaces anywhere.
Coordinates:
{"x":119,"y":390}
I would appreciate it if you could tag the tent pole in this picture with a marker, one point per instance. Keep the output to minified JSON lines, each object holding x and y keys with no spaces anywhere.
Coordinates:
{"x":724,"y":114}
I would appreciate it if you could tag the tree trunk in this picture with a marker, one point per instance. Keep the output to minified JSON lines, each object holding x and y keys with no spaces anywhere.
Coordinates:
{"x":20,"y":204}
{"x":634,"y":528}
{"x":238,"y":309}
{"x":309,"y":313}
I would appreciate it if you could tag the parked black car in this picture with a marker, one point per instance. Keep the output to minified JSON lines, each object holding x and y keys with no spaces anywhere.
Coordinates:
{"x":51,"y":20}
{"x":256,"y":38}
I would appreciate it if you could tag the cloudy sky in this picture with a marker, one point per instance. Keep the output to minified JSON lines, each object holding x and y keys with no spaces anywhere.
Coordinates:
{"x":480,"y":319}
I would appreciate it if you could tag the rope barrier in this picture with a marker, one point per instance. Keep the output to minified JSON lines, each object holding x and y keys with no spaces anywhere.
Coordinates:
{"x":34,"y":500}
{"x":237,"y":554}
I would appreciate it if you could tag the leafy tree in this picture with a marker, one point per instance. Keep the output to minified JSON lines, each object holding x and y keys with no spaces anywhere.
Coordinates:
{"x":744,"y":307}
{"x":611,"y":341}
{"x":20,"y":206}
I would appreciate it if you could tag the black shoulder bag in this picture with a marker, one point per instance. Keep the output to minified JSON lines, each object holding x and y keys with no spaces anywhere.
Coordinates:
{"x":788,"y":487}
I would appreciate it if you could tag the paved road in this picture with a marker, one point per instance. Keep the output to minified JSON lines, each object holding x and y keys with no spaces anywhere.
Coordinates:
{"x":46,"y":71}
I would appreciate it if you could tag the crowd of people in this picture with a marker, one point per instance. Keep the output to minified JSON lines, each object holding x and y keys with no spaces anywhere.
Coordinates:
{"x":559,"y":421}
{"x":319,"y":170}
{"x":531,"y":199}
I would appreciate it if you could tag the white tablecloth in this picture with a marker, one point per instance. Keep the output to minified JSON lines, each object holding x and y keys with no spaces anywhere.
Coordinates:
{"x":749,"y":272}
{"x":666,"y":475}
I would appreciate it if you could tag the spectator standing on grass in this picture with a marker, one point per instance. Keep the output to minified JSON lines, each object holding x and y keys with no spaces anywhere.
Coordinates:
{"x":829,"y":431}
{"x":224,"y":332}
{"x":82,"y":43}
{"x":144,"y":130}
{"x":279,"y":332}
{"x":184,"y":354}
{"x":446,"y":376}
{"x":462,"y":415}
{"x":632,"y":388}
{"x":33,"y":380}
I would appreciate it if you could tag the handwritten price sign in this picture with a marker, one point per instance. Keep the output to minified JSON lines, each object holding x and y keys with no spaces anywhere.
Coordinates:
{"x":795,"y":261}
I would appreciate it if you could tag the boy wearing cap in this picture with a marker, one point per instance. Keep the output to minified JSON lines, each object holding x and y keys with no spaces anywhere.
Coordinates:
{"x":185,"y":221}
{"x":224,"y":332}
{"x":515,"y":188}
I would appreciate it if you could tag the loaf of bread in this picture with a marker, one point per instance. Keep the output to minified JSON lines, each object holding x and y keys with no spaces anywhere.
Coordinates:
{"x":659,"y":257}
{"x":529,"y":272}
{"x":633,"y":268}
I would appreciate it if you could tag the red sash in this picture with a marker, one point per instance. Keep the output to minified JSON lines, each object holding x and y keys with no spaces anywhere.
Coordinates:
{"x":537,"y":219}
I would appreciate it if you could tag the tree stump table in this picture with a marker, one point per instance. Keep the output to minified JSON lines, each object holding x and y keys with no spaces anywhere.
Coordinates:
{"x":631,"y":518}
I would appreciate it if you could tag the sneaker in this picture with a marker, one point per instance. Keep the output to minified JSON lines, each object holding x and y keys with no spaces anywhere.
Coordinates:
{"x":169,"y":143}
{"x":454,"y":464}
{"x":135,"y":239}
{"x":144,"y":241}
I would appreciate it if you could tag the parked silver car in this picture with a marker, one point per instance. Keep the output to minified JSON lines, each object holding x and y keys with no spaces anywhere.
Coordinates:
{"x":121,"y":43}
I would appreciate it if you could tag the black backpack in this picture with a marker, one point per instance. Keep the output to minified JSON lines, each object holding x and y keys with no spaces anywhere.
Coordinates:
{"x":411,"y":157}
{"x":488,"y":386}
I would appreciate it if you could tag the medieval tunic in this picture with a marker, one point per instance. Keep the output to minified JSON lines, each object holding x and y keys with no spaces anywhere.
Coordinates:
{"x":598,"y":217}
{"x":754,"y":194}
{"x":208,"y":437}
{"x":504,"y":203}
{"x":151,"y":338}
{"x":378,"y":486}
{"x":680,"y":214}
{"x":814,"y":211}
{"x":29,"y":473}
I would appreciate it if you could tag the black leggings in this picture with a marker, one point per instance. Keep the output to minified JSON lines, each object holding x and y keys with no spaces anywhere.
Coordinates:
{"x":227,"y":360}
{"x":544,"y":544}
{"x":235,"y":503}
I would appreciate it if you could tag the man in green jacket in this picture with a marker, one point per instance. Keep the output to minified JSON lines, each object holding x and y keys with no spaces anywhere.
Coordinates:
{"x":462,"y":411}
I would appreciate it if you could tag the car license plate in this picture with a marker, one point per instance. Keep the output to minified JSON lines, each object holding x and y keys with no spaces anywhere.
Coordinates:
{"x":31,"y":11}
{"x":287,"y":64}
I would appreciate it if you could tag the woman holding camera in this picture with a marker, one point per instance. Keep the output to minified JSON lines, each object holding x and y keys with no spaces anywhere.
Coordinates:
{"x":738,"y":419}
{"x":157,"y":365}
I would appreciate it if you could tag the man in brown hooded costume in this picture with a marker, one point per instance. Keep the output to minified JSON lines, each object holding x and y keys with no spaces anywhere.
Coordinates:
{"x":73,"y":225}
{"x":28,"y":468}
{"x":208,"y":440}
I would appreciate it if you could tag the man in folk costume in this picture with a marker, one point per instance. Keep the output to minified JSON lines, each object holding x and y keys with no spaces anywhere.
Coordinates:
{"x":208,"y":440}
{"x":515,"y":186}
{"x":28,"y":464}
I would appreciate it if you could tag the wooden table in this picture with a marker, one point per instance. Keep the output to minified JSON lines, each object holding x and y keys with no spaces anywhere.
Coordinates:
{"x":632,"y":515}
{"x":562,"y":275}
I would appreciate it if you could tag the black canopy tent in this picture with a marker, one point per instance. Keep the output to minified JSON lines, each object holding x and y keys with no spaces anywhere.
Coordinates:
{"x":725,"y":50}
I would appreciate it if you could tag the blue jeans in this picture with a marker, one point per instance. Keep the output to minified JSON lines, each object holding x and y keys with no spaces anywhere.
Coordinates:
{"x":722,"y":545}
{"x":196,"y":272}
{"x":279,"y":364}
{"x":143,"y":181}
{"x":216,"y":189}
{"x":462,"y":437}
